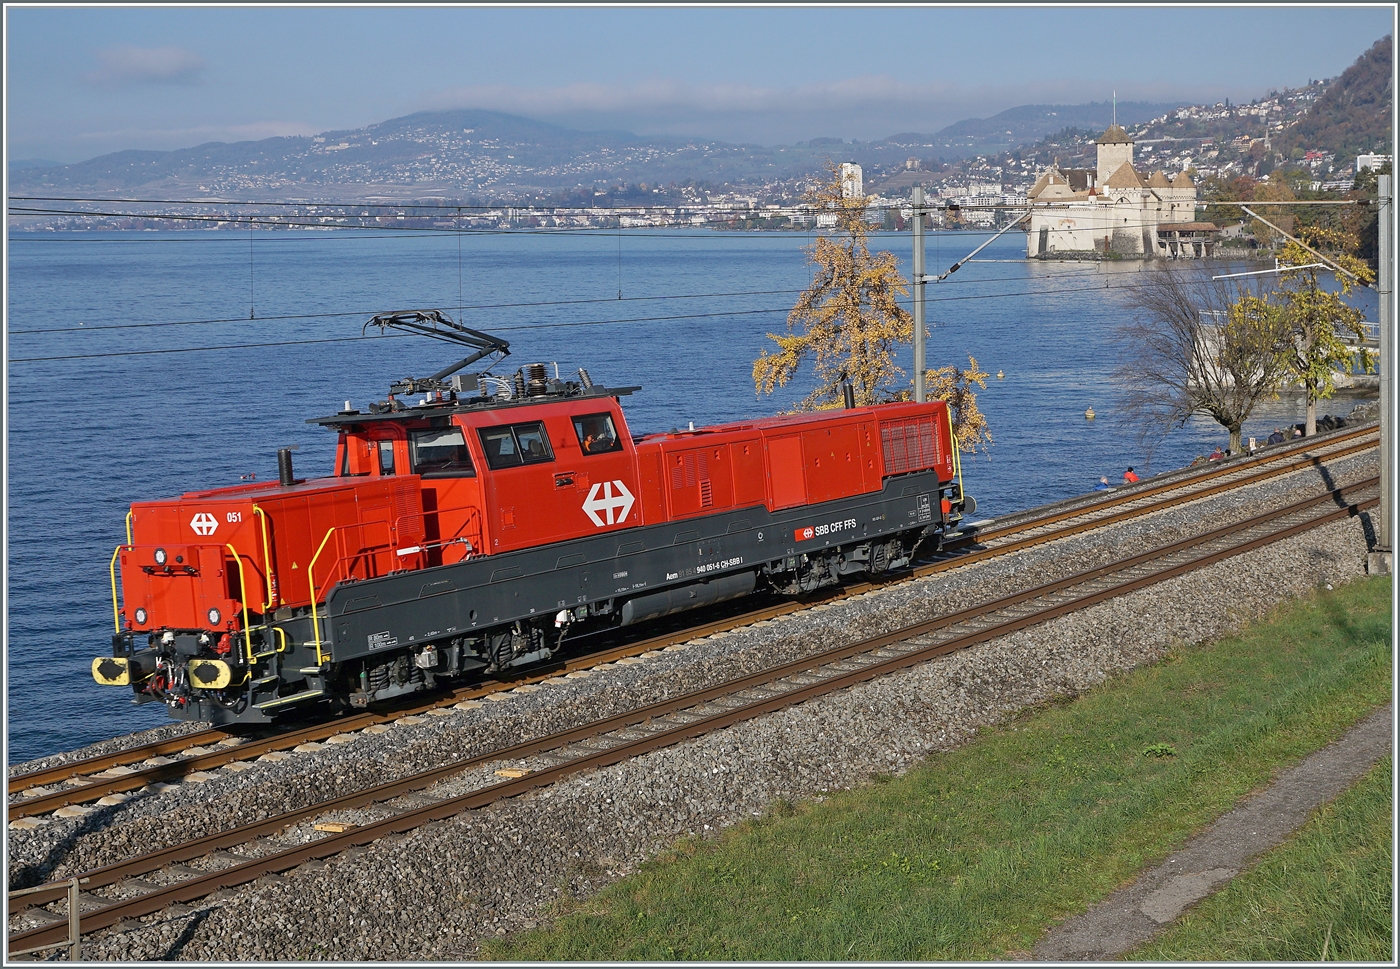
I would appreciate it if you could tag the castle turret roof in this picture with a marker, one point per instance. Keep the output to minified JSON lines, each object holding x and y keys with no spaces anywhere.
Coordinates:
{"x":1159,"y":180}
{"x":1183,"y":180}
{"x":1124,"y":177}
{"x":1115,"y":135}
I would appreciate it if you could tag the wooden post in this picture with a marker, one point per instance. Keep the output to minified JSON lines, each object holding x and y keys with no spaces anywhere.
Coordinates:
{"x":75,"y":937}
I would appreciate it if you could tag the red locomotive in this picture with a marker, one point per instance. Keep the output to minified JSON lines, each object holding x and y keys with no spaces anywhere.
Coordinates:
{"x":477,"y":528}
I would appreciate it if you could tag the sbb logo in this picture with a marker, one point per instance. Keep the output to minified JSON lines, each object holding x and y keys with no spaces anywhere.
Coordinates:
{"x":804,"y":534}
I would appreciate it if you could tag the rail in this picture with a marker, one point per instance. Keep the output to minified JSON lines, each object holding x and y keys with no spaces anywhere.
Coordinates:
{"x":1269,"y":468}
{"x":693,"y":714}
{"x":74,"y":940}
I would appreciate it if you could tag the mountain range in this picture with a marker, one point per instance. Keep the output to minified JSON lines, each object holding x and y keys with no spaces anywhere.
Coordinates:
{"x":472,"y":154}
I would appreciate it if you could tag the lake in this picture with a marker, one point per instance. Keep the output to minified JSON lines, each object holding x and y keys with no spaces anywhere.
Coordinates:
{"x":135,"y":372}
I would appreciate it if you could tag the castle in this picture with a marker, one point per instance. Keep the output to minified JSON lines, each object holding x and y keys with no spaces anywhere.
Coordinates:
{"x":1112,"y":209}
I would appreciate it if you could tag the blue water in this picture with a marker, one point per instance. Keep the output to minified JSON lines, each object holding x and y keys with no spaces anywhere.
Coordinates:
{"x":87,"y":436}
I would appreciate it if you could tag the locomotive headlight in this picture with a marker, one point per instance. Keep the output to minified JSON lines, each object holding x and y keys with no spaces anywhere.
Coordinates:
{"x":160,"y":556}
{"x":214,"y":617}
{"x":141,"y":616}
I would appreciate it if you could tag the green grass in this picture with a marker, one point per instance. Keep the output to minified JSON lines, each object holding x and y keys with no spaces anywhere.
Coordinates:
{"x":976,"y":852}
{"x":1325,"y":893}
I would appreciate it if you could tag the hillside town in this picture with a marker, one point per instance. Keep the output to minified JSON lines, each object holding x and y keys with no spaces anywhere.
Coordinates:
{"x":500,"y":172}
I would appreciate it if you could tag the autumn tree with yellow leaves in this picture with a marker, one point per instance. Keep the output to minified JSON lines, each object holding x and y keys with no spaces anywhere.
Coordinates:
{"x":848,"y":323}
{"x":1320,"y":319}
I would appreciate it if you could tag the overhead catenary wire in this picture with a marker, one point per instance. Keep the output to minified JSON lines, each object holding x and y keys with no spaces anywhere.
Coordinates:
{"x":83,"y":328}
{"x":540,"y":326}
{"x":1097,"y":271}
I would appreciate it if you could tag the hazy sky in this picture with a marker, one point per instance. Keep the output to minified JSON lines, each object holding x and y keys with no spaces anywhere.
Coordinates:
{"x":83,"y":81}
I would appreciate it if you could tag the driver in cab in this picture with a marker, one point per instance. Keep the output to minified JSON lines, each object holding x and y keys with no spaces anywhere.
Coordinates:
{"x":597,"y":437}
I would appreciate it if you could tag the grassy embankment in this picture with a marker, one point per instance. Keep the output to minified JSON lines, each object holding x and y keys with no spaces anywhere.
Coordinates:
{"x":976,"y":852}
{"x":1322,"y":895}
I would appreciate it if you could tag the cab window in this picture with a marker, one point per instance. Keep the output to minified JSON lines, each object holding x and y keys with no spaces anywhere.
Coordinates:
{"x":515,"y":444}
{"x":440,"y":453}
{"x":386,"y":457}
{"x":596,"y":434}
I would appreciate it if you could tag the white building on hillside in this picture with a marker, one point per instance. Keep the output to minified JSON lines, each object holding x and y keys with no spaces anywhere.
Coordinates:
{"x":852,"y":184}
{"x":1114,"y":209}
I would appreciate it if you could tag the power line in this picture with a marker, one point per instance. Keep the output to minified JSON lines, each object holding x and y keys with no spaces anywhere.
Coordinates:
{"x":540,"y":326}
{"x":358,"y":313}
{"x":524,"y":305}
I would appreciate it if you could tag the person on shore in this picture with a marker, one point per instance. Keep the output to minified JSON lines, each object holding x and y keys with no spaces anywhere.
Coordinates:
{"x":1217,"y":454}
{"x":1103,"y":484}
{"x":1276,"y":437}
{"x":1129,"y":477}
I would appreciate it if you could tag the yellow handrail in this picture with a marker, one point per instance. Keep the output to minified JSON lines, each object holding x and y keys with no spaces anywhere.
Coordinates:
{"x":267,"y":559}
{"x":128,"y":528}
{"x":282,"y":636}
{"x":243,"y":595}
{"x":116,"y":614}
{"x":957,"y":455}
{"x":311,"y":578}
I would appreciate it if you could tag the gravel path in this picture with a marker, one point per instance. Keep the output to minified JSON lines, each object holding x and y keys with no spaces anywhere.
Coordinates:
{"x":1134,"y":914}
{"x":433,"y":893}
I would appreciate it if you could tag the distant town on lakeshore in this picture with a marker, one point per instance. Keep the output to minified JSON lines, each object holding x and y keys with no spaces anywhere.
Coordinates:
{"x":470,"y":169}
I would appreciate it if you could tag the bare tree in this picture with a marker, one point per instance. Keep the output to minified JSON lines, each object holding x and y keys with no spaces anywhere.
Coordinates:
{"x":1200,"y":346}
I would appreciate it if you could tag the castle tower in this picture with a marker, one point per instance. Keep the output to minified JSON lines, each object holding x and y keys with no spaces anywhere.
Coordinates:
{"x":1115,"y":149}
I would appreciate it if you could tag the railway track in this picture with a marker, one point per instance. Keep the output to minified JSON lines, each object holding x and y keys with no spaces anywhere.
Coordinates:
{"x":541,"y":762}
{"x":108,"y":778}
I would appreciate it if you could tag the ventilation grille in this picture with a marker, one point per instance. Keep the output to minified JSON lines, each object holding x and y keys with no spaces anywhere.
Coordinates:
{"x":689,"y":470}
{"x":403,"y":499}
{"x":909,"y":445}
